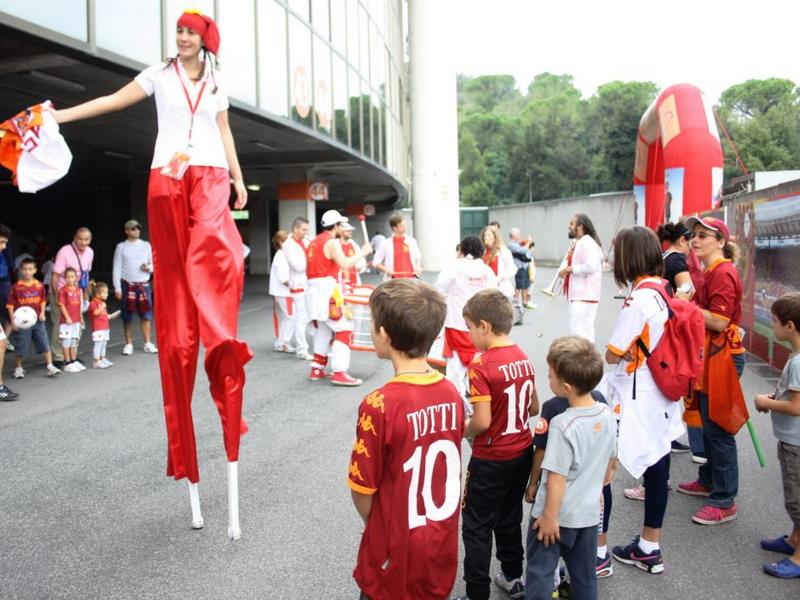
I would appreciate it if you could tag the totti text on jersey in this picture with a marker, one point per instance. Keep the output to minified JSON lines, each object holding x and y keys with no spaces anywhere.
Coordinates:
{"x":515,"y":369}
{"x":433,"y":419}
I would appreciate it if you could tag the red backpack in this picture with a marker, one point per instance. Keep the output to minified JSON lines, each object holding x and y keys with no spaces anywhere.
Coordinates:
{"x":678,"y":358}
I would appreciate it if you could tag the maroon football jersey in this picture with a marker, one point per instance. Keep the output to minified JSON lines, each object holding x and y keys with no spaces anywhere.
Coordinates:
{"x":407,"y":454}
{"x":503,"y":376}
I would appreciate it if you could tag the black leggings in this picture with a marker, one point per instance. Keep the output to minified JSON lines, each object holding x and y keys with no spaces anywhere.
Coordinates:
{"x":606,"y":507}
{"x":655,"y":493}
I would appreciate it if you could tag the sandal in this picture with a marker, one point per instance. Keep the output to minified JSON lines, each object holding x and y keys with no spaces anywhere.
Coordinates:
{"x":785,"y":569}
{"x":779,"y":544}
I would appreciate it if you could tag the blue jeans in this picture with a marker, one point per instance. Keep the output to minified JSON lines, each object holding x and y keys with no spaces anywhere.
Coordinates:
{"x":721,"y":472}
{"x":696,"y":440}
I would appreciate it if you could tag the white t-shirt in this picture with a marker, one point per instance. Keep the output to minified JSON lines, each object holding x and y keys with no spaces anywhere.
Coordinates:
{"x":128,"y":260}
{"x":175,"y":117}
{"x":279,"y":276}
{"x":295,"y":253}
{"x":460,"y":282}
{"x":649,"y":423}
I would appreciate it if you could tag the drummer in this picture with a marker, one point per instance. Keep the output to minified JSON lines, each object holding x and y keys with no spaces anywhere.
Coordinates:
{"x":350,"y":277}
{"x":399,"y":256}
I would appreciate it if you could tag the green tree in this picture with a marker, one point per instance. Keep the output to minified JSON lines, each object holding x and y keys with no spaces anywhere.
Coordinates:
{"x":612,"y":122}
{"x":763,"y":118}
{"x":473,"y":181}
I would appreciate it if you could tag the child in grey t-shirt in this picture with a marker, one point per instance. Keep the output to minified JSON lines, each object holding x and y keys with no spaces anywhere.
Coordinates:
{"x":784,"y":405}
{"x":580,"y":453}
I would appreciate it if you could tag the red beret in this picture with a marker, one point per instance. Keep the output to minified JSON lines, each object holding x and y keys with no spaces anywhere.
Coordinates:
{"x":204,"y":26}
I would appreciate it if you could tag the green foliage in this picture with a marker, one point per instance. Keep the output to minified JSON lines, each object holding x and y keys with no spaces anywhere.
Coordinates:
{"x":552,"y":143}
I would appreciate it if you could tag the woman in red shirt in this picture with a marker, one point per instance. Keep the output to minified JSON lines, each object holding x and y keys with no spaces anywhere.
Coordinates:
{"x":718,"y":395}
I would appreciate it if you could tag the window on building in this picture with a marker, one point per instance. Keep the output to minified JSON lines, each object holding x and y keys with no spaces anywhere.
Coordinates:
{"x":272,"y":60}
{"x":64,"y":16}
{"x":320,"y":18}
{"x":237,"y":50}
{"x":340,"y":100}
{"x":323,"y":94}
{"x":300,"y":74}
{"x":138,"y":39}
{"x":354,"y":90}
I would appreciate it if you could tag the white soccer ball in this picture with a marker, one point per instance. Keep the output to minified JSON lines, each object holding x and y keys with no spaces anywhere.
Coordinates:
{"x":25,"y":317}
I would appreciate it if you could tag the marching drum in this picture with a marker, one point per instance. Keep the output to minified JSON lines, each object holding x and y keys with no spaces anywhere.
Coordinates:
{"x":356,"y":302}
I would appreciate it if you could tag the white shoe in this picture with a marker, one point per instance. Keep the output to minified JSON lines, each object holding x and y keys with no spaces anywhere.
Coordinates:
{"x":19,"y":373}
{"x":107,"y":362}
{"x":304,"y":355}
{"x":150,"y":348}
{"x":72,"y":367}
{"x":10,"y":347}
{"x":52,"y":370}
{"x":127,"y":350}
{"x":283,"y":348}
{"x":99,"y":364}
{"x":81,"y":366}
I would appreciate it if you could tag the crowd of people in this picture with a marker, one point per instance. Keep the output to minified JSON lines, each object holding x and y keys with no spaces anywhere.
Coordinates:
{"x":61,"y":285}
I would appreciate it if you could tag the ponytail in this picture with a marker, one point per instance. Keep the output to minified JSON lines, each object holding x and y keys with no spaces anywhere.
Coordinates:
{"x":731,"y":251}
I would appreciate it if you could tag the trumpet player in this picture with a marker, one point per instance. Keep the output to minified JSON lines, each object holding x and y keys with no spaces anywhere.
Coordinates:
{"x":583,"y":276}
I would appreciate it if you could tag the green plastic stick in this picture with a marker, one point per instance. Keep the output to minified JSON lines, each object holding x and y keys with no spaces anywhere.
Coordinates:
{"x":756,"y":443}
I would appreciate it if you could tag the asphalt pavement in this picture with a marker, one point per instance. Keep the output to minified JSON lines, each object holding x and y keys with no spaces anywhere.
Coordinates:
{"x":86,"y":510}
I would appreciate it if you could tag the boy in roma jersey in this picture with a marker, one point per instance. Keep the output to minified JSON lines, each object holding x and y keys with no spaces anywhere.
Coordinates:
{"x":503,"y":396}
{"x":579,"y":459}
{"x":405,"y":467}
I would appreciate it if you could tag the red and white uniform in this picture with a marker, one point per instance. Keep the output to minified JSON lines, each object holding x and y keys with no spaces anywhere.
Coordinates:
{"x":283,"y":304}
{"x":399,"y":254}
{"x":407,"y":454}
{"x":198,"y":261}
{"x":33,"y":149}
{"x":349,"y":278}
{"x":325,"y":301}
{"x":504,"y":376}
{"x":71,"y":298}
{"x":295,"y":252}
{"x":583,"y":286}
{"x":460,"y":282}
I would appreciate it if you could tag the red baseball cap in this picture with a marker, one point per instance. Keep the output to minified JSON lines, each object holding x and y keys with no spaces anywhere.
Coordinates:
{"x":710,"y":223}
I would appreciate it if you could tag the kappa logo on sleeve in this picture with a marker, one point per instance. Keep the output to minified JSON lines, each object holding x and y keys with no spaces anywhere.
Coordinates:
{"x":541,"y":426}
{"x":598,"y":427}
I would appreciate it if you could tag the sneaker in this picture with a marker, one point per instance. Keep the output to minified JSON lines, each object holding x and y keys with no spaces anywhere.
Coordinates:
{"x":530,"y":305}
{"x":714,"y":515}
{"x":6,"y":395}
{"x":283,"y":348}
{"x":19,"y":373}
{"x":316,"y":374}
{"x":514,"y":587}
{"x":678,"y":448}
{"x":99,"y":364}
{"x":632,"y":555}
{"x":52,"y":370}
{"x":107,"y":362}
{"x":10,"y":347}
{"x":634,"y":493}
{"x":81,"y":366}
{"x":563,"y":591}
{"x":343,"y":378}
{"x":304,"y":355}
{"x":127,"y":349}
{"x":603,"y":567}
{"x":149,"y":348}
{"x":694,"y":488}
{"x":72,"y":367}
{"x":700,"y":459}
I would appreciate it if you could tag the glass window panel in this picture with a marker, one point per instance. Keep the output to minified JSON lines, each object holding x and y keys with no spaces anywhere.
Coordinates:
{"x":138,"y":39}
{"x":363,"y":42}
{"x":355,"y":109}
{"x":340,"y":99}
{"x":374,"y":55}
{"x":389,"y":143}
{"x":323,"y":95}
{"x":300,"y":7}
{"x":352,"y":33}
{"x":64,"y":16}
{"x":237,"y":49}
{"x":320,"y":18}
{"x":366,"y":118}
{"x":376,"y":127}
{"x":272,"y":63}
{"x":300,"y":71}
{"x":382,"y":122}
{"x":339,"y":26}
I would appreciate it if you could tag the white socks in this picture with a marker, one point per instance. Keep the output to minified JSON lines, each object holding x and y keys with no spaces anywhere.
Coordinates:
{"x":602,"y":551}
{"x":648,"y":547}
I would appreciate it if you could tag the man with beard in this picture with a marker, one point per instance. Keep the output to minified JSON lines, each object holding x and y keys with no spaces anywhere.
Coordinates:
{"x":583,"y":276}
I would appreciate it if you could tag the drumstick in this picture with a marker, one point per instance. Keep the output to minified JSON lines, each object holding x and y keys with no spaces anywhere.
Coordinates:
{"x":363,"y":220}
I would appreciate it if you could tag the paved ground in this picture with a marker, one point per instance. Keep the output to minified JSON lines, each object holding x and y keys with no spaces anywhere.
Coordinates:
{"x":86,"y":511}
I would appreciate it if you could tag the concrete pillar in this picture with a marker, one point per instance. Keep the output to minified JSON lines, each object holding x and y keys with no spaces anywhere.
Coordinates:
{"x":434,"y":131}
{"x":289,"y":210}
{"x":259,"y":230}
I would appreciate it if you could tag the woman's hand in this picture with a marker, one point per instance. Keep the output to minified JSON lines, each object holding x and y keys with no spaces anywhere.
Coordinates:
{"x":241,"y":195}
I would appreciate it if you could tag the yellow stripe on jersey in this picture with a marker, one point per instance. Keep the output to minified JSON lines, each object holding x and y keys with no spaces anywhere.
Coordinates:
{"x":474,"y":399}
{"x":360,"y":488}
{"x":428,"y":378}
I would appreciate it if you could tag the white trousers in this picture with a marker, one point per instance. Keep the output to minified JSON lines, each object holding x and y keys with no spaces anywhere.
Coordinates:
{"x":99,"y":350}
{"x":286,"y":319}
{"x":339,"y":351}
{"x":581,"y":318}
{"x":300,"y":321}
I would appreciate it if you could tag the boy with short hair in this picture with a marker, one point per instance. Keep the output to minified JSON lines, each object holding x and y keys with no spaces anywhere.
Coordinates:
{"x":579,"y":459}
{"x":28,"y":291}
{"x":784,"y":405}
{"x":399,"y":256}
{"x":405,"y":466}
{"x":70,"y":302}
{"x":503,"y":396}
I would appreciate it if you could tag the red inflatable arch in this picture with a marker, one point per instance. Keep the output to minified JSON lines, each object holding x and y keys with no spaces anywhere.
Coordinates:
{"x":678,"y":167}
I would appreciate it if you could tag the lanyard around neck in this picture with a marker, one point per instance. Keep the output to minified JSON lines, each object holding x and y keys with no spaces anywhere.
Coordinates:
{"x":192,"y":107}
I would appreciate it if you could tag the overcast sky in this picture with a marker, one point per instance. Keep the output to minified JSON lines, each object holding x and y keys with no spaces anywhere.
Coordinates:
{"x":710,"y":43}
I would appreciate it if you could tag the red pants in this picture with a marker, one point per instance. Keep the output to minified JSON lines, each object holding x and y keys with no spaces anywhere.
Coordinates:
{"x":198,"y":273}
